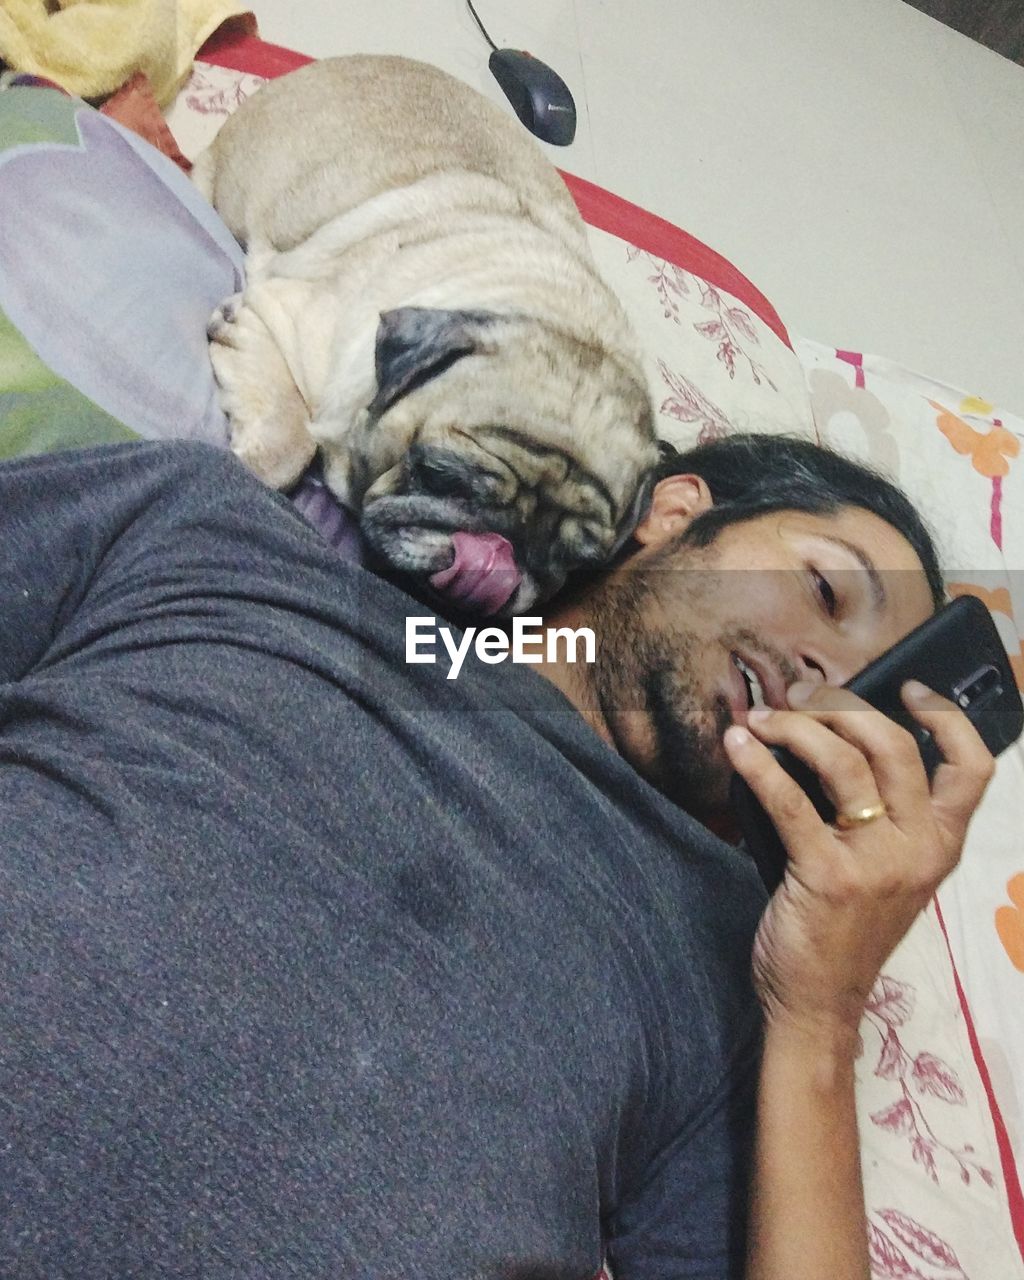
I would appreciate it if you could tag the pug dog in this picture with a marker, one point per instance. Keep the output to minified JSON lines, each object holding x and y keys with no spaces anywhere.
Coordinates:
{"x":421,"y":305}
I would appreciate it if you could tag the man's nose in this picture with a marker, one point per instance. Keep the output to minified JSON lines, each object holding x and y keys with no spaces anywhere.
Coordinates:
{"x":810,"y":671}
{"x":834,"y":669}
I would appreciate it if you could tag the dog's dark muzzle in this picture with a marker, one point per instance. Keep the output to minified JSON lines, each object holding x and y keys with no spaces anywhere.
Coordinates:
{"x":465,"y":529}
{"x":447,"y":543}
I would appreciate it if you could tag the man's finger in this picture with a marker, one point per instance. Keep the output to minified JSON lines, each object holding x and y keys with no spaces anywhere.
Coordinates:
{"x":859,"y":757}
{"x":795,"y":818}
{"x":891,"y":752}
{"x":968,"y":765}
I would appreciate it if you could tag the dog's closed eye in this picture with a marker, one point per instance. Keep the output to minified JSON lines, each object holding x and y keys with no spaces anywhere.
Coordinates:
{"x":443,"y":473}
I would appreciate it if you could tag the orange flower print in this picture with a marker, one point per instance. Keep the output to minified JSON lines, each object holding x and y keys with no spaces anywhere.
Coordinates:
{"x":1010,"y":922}
{"x":989,"y":451}
{"x":998,"y":601}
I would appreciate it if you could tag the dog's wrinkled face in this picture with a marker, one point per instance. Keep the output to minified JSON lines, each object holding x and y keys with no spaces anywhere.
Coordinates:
{"x":498,"y":456}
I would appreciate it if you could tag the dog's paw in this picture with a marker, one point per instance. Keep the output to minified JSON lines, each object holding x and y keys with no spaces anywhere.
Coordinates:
{"x":276,"y":458}
{"x":220,"y":326}
{"x":229,"y":371}
{"x":268,"y":420}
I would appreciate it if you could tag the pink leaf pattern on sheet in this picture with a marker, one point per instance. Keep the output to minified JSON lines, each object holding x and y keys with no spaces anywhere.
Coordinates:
{"x":671,"y":283}
{"x":899,"y":1117}
{"x":205,"y":96}
{"x":888,"y":1261}
{"x":743,"y":322}
{"x":923,"y":1151}
{"x":688,"y":404}
{"x":892,"y":1001}
{"x":732,"y":327}
{"x":727,"y":355}
{"x":889,"y":1008}
{"x":894,"y":1063}
{"x":933,"y":1076}
{"x":924,"y":1243}
{"x":899,"y":1246}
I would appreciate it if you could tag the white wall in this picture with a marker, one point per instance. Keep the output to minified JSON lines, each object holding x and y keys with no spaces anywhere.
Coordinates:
{"x":863,"y":164}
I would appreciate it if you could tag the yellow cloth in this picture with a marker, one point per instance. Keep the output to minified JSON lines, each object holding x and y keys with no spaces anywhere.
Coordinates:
{"x":91,"y":47}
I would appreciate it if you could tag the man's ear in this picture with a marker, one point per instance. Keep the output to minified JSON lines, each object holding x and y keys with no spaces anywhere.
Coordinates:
{"x":675,"y":503}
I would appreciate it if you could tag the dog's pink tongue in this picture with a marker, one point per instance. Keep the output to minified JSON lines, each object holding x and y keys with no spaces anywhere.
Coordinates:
{"x":483,"y":574}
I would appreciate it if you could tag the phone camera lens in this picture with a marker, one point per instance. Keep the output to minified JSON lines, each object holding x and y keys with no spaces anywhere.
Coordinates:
{"x":983,"y":683}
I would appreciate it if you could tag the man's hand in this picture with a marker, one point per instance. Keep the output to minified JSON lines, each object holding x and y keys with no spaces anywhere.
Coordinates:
{"x":849,"y":896}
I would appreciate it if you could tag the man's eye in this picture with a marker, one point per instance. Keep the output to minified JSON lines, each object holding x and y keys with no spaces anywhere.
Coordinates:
{"x":825,"y":592}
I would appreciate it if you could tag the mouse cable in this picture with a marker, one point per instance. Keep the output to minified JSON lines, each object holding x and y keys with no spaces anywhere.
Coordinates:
{"x":483,"y":29}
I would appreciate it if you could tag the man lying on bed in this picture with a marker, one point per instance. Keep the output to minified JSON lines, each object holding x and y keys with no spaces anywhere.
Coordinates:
{"x":317,"y":963}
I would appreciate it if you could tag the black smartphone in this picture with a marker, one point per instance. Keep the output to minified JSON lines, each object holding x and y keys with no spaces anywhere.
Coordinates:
{"x":958,"y":653}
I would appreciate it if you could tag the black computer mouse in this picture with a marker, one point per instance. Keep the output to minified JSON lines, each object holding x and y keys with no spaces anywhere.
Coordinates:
{"x":539,"y":96}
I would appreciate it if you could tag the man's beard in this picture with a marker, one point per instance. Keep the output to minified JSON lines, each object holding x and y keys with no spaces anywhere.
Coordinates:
{"x":691,"y":767}
{"x":643,"y":669}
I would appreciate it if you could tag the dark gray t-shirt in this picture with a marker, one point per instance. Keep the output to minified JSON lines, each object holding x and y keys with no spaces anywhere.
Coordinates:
{"x":317,"y":964}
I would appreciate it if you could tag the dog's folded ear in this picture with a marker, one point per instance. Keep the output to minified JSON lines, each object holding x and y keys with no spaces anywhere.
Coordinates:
{"x":415,"y":344}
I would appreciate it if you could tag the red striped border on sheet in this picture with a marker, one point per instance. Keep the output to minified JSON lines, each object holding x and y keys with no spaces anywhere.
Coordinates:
{"x":233,"y":48}
{"x":647,"y":231}
{"x":1014,"y":1195}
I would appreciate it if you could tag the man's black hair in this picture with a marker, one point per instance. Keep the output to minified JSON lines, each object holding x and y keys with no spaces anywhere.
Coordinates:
{"x":752,"y":475}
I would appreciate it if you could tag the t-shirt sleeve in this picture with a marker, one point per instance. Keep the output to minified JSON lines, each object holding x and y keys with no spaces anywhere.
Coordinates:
{"x":688,"y":1221}
{"x":81,"y":527}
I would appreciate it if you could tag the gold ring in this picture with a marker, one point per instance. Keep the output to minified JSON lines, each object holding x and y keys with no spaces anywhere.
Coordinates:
{"x":847,"y":821}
